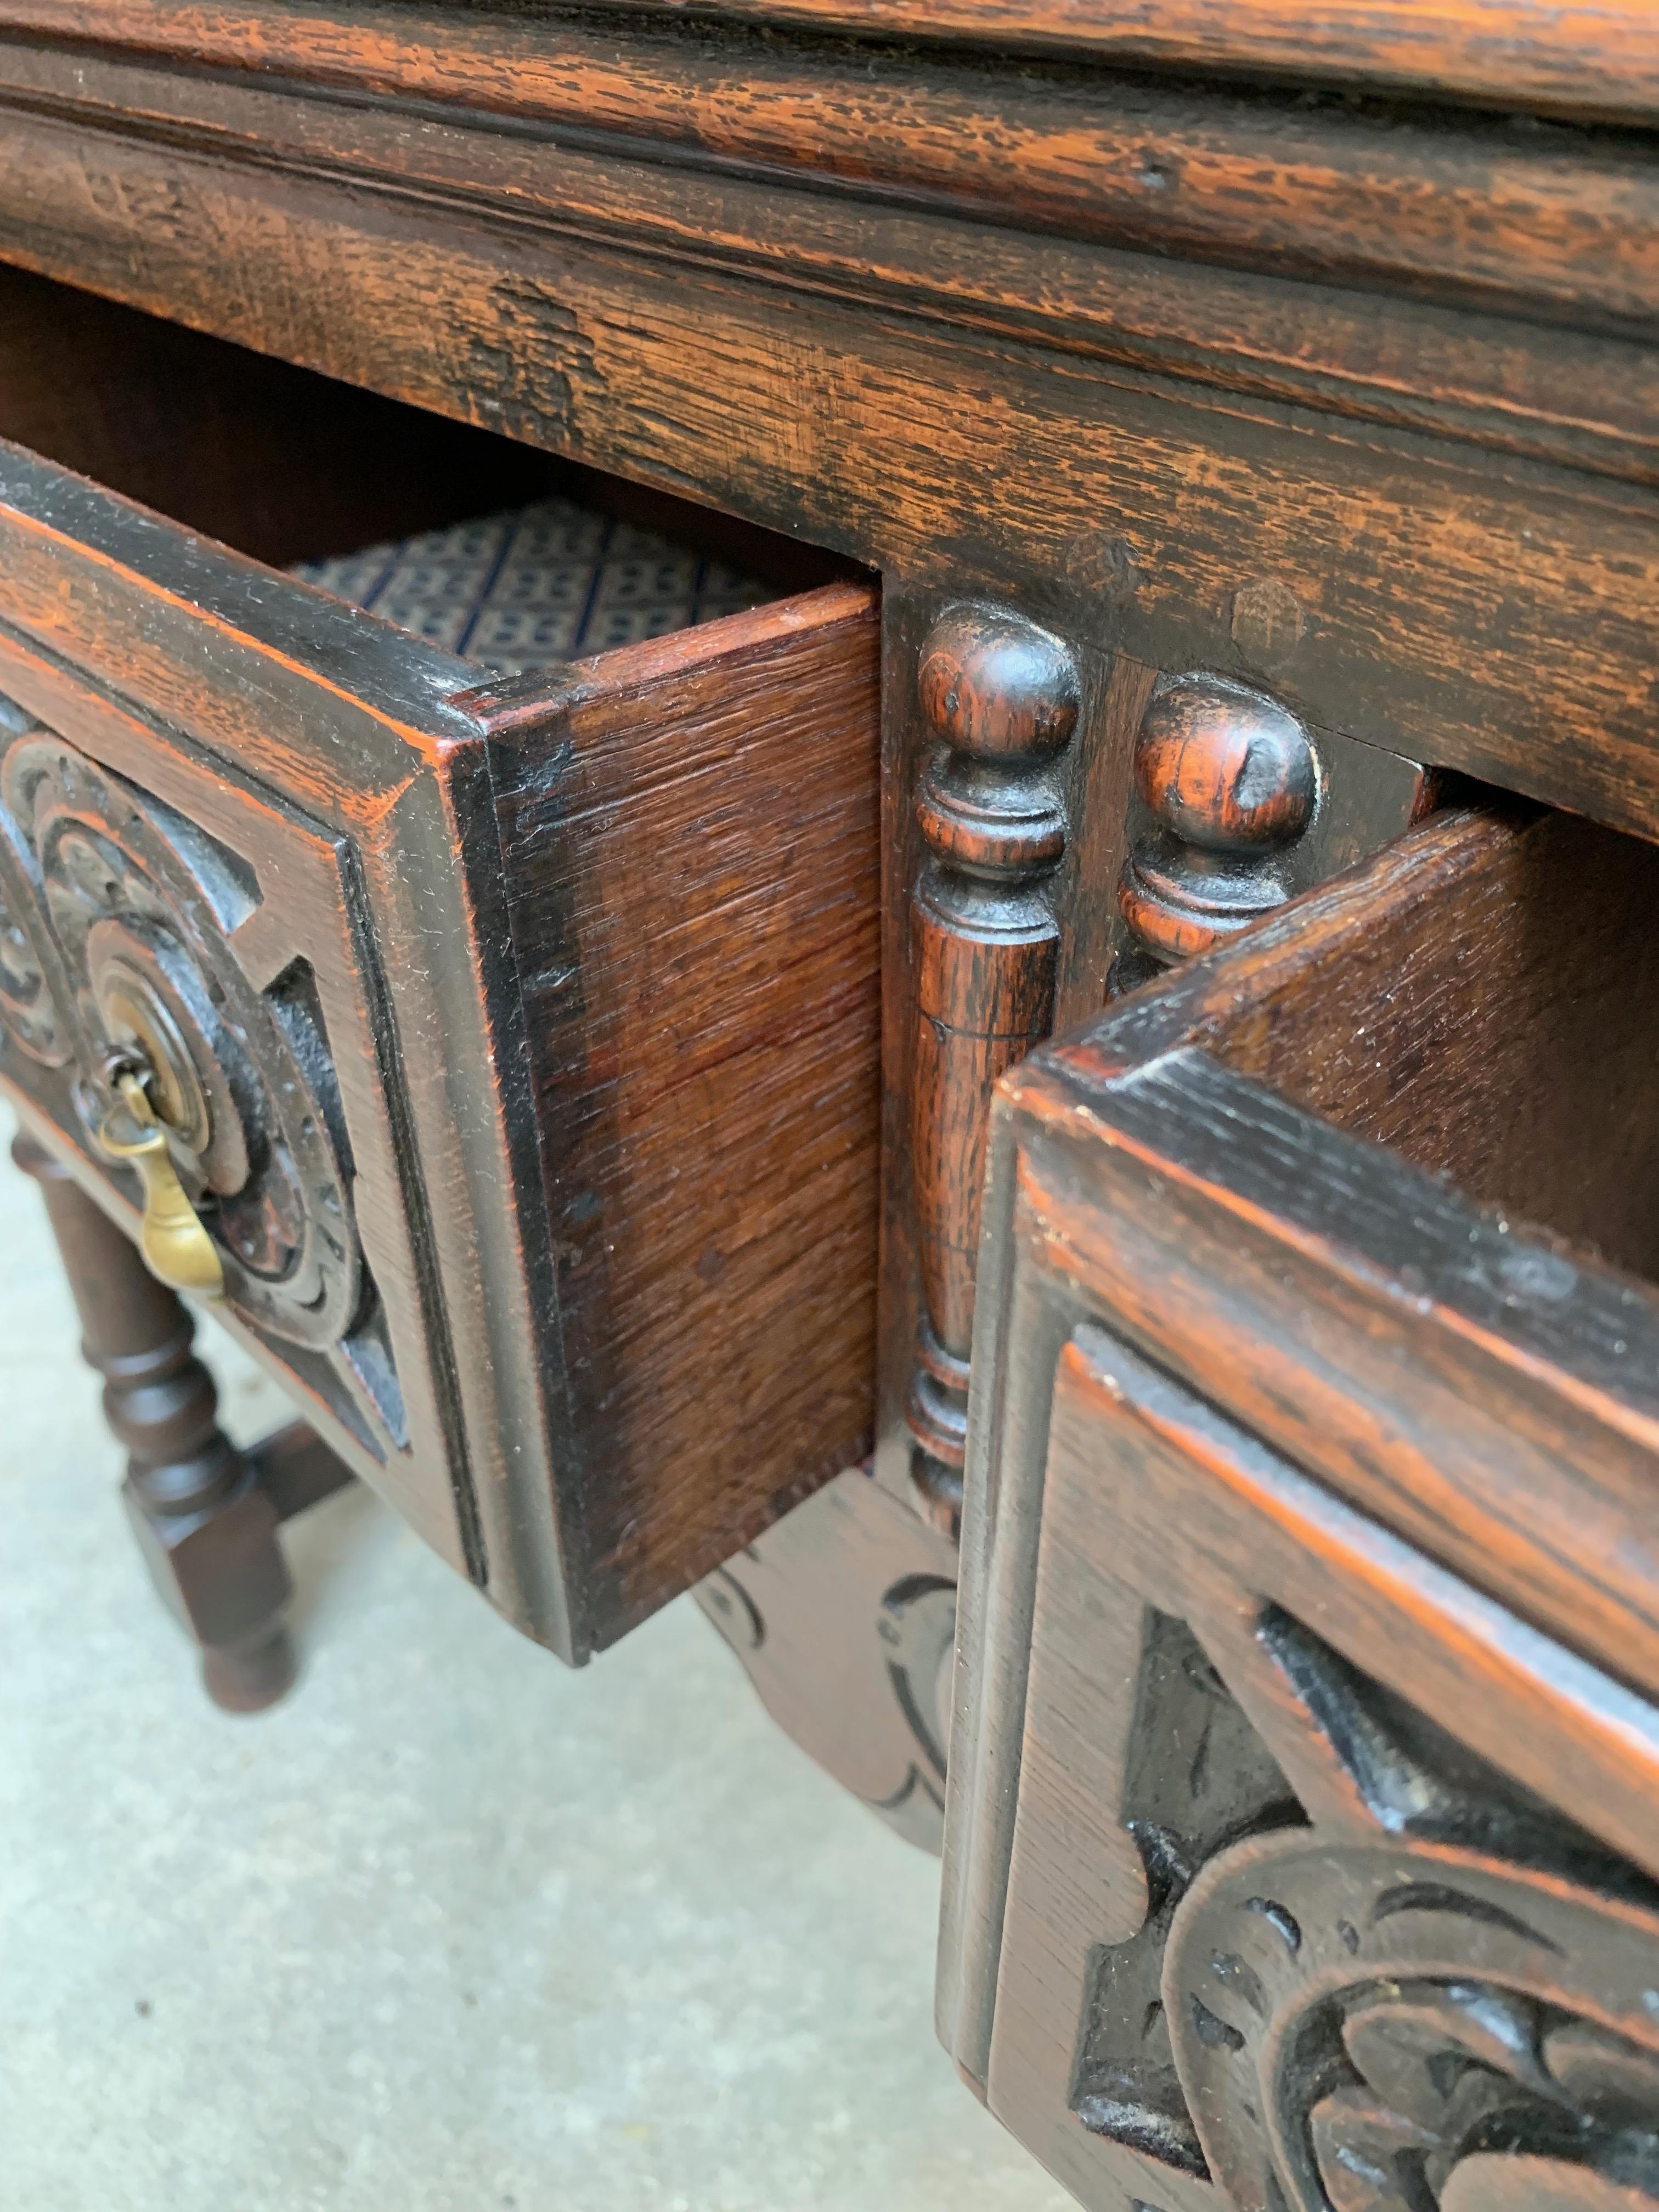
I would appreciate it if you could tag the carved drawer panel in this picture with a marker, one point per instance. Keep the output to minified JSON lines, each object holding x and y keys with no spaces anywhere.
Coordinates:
{"x":1300,"y":1846}
{"x":515,"y":1038}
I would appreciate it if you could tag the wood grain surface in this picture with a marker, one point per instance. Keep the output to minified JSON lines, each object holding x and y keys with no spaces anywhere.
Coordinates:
{"x":1482,"y":998}
{"x":688,"y":837}
{"x":616,"y":929}
{"x":1215,"y":1648}
{"x":1597,"y":59}
{"x":1484,"y":1387}
{"x":842,"y":1616}
{"x":1228,"y":201}
{"x":1375,"y":1462}
{"x":857,"y":430}
{"x":1000,"y":700}
{"x":1346,"y":399}
{"x":162,"y":415}
{"x":964,"y":449}
{"x":1244,"y":174}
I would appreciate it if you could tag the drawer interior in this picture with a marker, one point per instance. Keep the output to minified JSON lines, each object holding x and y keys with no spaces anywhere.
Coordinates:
{"x":484,"y":547}
{"x":1483,"y":998}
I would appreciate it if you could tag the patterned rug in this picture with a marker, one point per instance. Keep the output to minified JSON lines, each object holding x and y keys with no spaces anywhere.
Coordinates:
{"x":544,"y":583}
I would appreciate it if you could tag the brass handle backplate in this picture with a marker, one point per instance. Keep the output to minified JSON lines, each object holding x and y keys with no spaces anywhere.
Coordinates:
{"x":176,"y":1249}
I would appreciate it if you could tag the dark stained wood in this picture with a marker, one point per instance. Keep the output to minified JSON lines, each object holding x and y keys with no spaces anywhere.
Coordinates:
{"x":1304,"y":1488}
{"x":1228,"y":778}
{"x":1254,"y":1780}
{"x":1485,"y":1391}
{"x":843,"y":1615}
{"x":1087,"y":786}
{"x":1000,"y":699}
{"x":1224,"y":770}
{"x":206,"y":1528}
{"x":1100,"y":805}
{"x":975,"y":464}
{"x":1237,"y":808}
{"x":919,"y":143}
{"x":1007,"y":862}
{"x":163,"y":415}
{"x":1268,"y":397}
{"x":580,"y":974}
{"x":1521,"y":53}
{"x":297,"y":1470}
{"x":1329,"y":192}
{"x":173,"y":660}
{"x":689,"y":840}
{"x":1482,"y":997}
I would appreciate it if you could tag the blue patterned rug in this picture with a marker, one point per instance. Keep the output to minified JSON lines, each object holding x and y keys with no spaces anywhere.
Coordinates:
{"x":544,"y":583}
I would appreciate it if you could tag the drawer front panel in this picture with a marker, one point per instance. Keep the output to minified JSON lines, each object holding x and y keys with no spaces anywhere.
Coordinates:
{"x":313,"y":874}
{"x":163,"y":887}
{"x":1320,"y":1859}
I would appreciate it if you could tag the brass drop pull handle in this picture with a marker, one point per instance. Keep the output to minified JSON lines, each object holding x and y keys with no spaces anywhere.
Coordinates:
{"x":175,"y":1246}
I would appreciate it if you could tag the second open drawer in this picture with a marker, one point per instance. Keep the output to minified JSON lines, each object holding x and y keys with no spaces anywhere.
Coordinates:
{"x":1310,"y":1530}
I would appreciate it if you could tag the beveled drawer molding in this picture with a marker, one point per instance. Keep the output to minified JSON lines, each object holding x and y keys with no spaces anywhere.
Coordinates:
{"x":516,"y":1041}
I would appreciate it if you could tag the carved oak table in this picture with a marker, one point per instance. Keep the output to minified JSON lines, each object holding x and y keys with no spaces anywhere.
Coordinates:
{"x":608,"y":617}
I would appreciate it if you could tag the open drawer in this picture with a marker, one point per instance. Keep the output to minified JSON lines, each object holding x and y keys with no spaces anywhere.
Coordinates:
{"x":516,"y":1034}
{"x":1313,"y":1484}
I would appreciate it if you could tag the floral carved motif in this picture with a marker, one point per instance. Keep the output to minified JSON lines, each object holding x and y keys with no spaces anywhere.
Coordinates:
{"x":141,"y":908}
{"x":122,"y":952}
{"x":1404,"y":2027}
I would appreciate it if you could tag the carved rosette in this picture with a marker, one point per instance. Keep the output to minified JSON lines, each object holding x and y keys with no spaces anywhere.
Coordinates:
{"x":1375,"y":1973}
{"x":1399,"y":2027}
{"x":118,"y":934}
{"x":1001,"y":699}
{"x":141,"y":907}
{"x":1229,"y":782}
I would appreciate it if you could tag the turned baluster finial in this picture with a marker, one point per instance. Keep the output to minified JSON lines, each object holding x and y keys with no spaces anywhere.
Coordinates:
{"x":1000,"y":699}
{"x":1231,"y":781}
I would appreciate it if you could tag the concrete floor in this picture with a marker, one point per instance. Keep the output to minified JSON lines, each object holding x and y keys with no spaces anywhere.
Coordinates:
{"x":453,"y":1929}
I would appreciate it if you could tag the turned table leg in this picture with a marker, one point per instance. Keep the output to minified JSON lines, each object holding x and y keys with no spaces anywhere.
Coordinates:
{"x":205,"y":1525}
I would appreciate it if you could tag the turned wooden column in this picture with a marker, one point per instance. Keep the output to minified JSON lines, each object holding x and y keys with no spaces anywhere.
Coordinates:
{"x":1000,"y":696}
{"x":1231,"y":781}
{"x":206,"y":1528}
